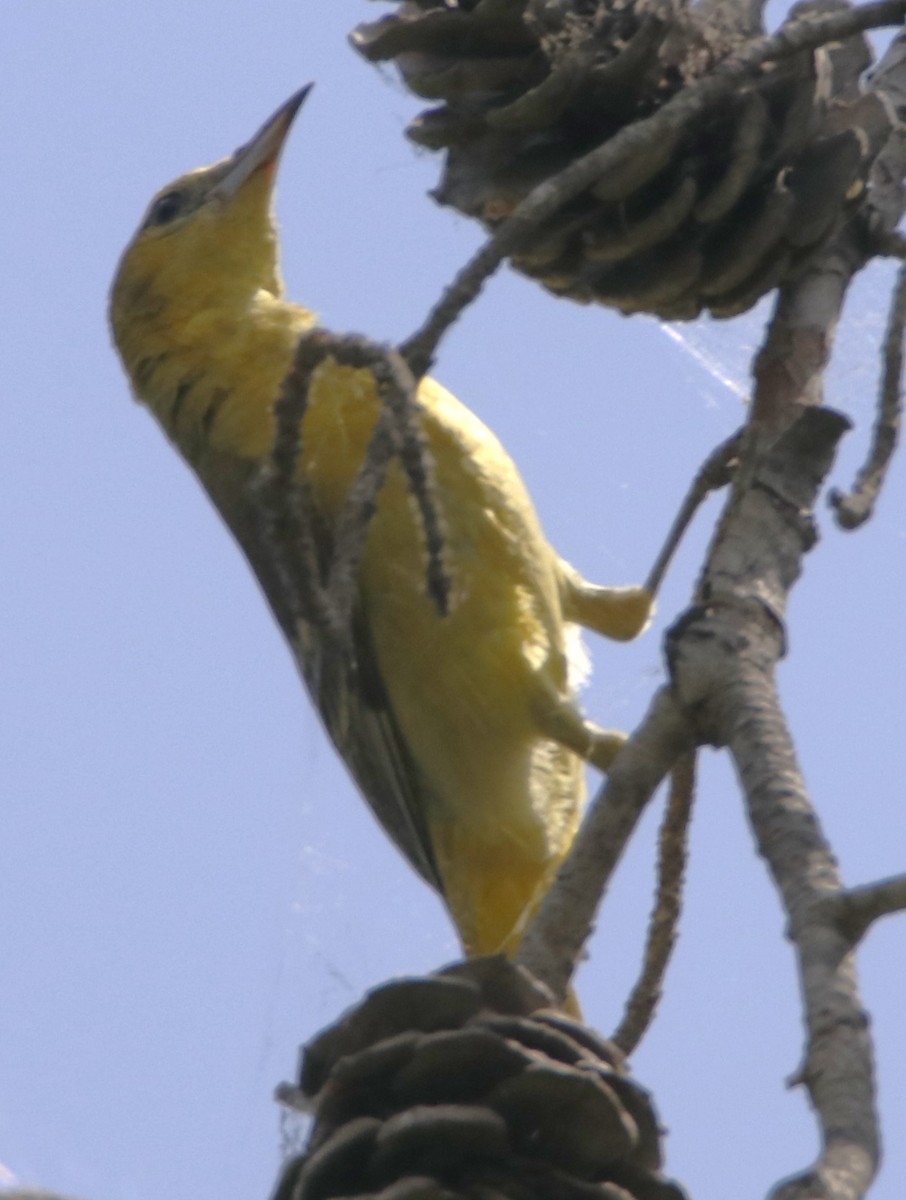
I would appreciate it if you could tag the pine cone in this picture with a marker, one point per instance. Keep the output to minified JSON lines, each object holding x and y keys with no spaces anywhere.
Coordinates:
{"x":712,"y":218}
{"x":467,"y":1084}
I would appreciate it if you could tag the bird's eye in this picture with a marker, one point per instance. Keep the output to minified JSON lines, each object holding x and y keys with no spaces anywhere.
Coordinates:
{"x":166,"y":208}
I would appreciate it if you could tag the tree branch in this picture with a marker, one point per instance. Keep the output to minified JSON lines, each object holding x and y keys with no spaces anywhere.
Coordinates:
{"x":789,"y":373}
{"x":552,"y":946}
{"x":723,"y":653}
{"x":724,"y":650}
{"x":662,"y":930}
{"x":723,"y":657}
{"x":714,"y":473}
{"x":319,"y":581}
{"x":855,"y":910}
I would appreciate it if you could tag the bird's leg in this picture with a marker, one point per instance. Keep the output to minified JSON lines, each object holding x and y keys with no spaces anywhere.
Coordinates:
{"x":559,"y":719}
{"x":620,"y":613}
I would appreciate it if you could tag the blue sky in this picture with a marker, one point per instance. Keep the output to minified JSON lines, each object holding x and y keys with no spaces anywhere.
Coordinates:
{"x":189,"y":886}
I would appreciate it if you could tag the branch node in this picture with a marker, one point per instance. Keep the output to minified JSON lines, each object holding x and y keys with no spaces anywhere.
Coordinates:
{"x":855,"y":910}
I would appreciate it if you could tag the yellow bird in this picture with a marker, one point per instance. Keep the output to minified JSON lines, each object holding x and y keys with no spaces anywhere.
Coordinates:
{"x":462,"y":731}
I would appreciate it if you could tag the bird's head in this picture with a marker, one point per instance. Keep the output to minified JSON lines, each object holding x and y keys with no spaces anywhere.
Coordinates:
{"x":209,"y":238}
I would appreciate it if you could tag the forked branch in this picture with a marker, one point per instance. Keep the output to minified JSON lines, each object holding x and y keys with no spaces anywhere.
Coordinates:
{"x":856,"y":910}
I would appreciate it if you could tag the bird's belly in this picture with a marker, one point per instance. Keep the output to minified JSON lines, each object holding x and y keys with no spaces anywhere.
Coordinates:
{"x":464,"y":687}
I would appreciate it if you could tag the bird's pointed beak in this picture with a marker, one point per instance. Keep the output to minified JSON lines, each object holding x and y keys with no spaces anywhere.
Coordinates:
{"x":263,"y":150}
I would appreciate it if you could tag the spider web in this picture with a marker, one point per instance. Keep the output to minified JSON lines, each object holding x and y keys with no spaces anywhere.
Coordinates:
{"x":724,"y":350}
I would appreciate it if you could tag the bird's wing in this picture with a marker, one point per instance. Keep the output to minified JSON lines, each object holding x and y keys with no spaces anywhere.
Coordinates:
{"x":352,"y":701}
{"x":347,"y":689}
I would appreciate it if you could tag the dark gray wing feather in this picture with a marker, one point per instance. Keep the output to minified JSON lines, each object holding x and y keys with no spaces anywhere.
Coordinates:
{"x":347,"y":689}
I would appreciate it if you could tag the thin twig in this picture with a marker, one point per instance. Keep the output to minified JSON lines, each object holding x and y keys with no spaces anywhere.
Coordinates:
{"x":292,"y":404}
{"x":354,"y":523}
{"x":855,"y":910}
{"x":543,"y":201}
{"x":715,"y":472}
{"x":552,"y":946}
{"x":663,"y":927}
{"x":324,"y":593}
{"x":286,"y":506}
{"x":398,"y":391}
{"x":854,"y":508}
